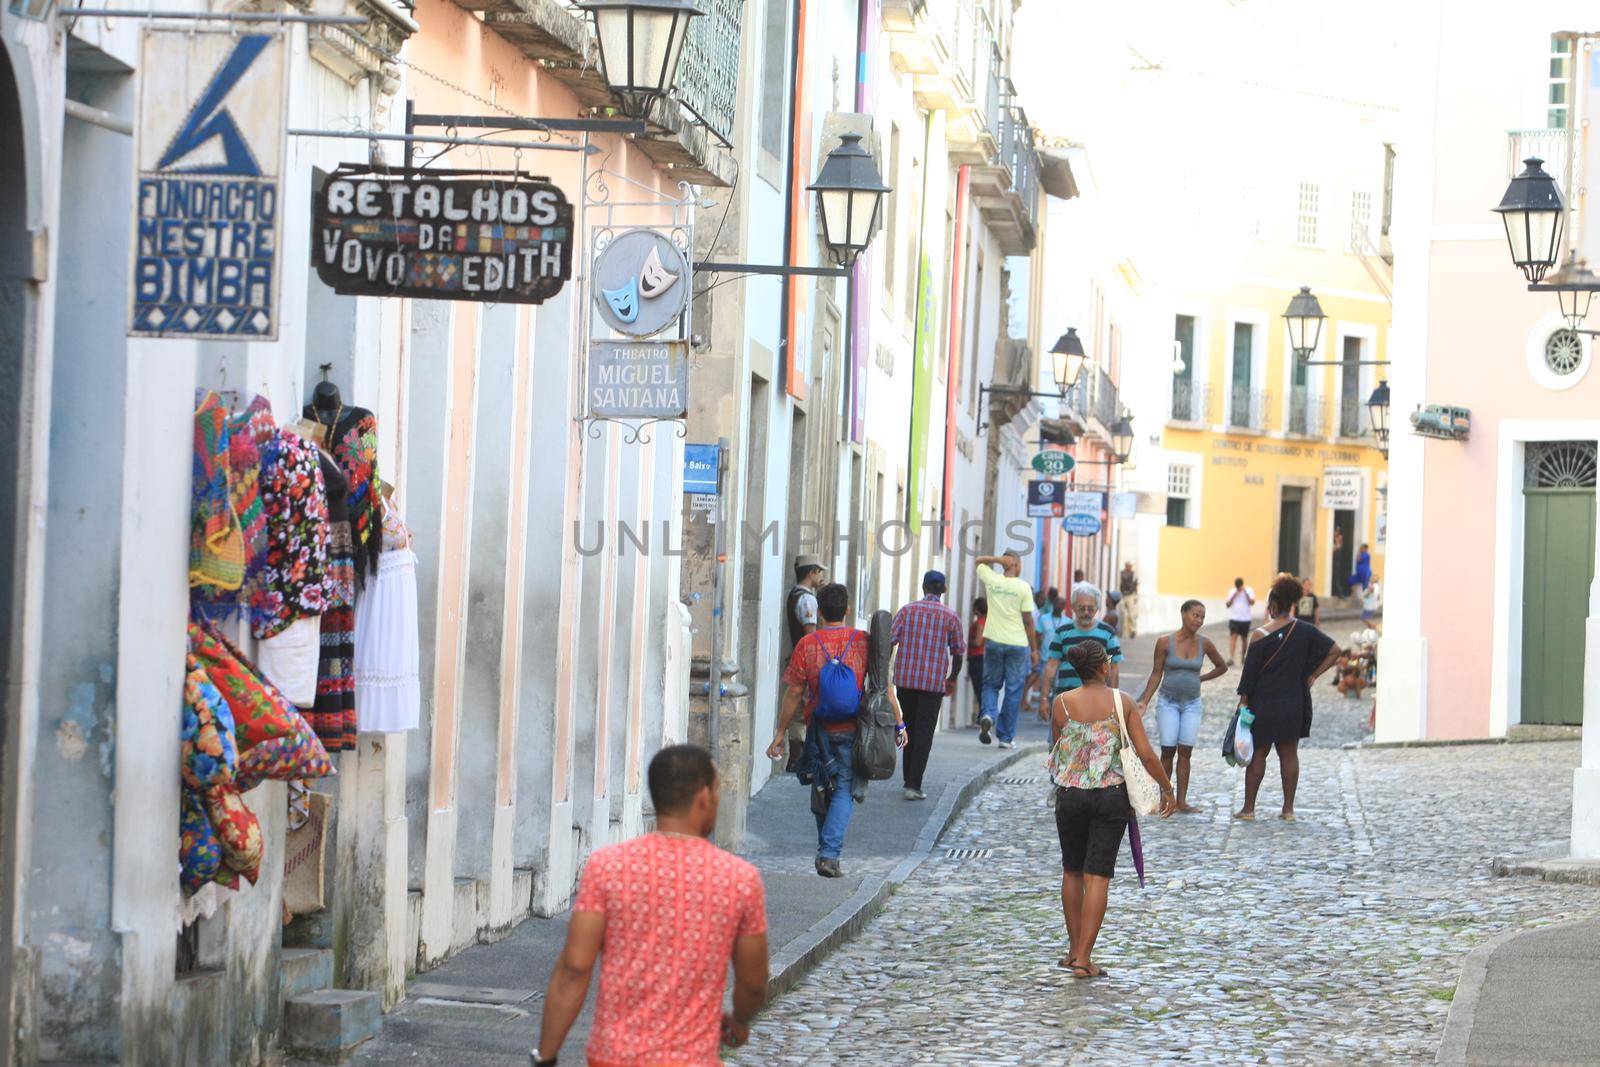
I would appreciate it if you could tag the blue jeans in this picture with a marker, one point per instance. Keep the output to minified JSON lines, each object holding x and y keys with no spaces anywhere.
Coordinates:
{"x":1004,"y":665}
{"x":835,"y":774}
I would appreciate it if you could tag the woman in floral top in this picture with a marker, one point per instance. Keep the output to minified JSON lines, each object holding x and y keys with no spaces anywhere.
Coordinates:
{"x":1086,"y":753}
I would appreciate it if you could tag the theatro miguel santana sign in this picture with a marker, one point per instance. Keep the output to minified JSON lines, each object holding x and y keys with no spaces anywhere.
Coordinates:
{"x":498,"y":239}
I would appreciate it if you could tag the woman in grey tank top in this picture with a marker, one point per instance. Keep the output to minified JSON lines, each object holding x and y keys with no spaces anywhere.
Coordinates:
{"x":1179,"y":670}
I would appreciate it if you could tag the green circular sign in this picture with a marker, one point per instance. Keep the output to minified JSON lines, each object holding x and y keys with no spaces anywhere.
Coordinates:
{"x":1053,"y":461}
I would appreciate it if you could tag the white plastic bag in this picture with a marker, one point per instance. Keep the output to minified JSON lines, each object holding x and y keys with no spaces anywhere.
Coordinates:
{"x":1244,"y":745}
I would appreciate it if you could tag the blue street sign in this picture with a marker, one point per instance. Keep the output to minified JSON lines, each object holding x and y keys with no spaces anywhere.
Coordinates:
{"x":1081,"y":524}
{"x":700,"y":469}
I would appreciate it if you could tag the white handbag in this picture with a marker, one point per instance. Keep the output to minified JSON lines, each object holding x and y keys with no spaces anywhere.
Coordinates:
{"x":1144,"y":795}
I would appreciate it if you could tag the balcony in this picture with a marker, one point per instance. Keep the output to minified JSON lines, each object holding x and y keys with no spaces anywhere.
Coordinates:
{"x":1104,"y":401}
{"x":686,"y":134}
{"x":947,"y":49}
{"x":1350,"y":416}
{"x":1307,"y":413}
{"x":1191,"y":401}
{"x":1007,"y":192}
{"x":1247,"y":408}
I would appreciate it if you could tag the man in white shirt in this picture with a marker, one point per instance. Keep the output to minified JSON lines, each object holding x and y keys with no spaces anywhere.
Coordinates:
{"x":1372,"y":604}
{"x":1241,"y":598}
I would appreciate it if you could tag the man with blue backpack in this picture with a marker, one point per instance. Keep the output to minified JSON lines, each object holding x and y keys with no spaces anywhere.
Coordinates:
{"x":824,"y":680}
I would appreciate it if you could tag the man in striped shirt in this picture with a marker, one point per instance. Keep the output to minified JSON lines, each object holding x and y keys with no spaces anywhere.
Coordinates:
{"x":1059,"y":674}
{"x":927,"y":663}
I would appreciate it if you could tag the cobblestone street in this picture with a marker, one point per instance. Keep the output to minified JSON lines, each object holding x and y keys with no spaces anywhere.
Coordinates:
{"x":1338,"y":938}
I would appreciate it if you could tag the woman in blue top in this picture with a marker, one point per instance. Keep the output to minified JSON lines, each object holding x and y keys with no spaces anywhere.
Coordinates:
{"x":1180,"y":657}
{"x":1363,"y":572}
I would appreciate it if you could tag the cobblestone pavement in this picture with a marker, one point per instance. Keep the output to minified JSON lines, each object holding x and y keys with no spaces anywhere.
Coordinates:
{"x":1335,"y":939}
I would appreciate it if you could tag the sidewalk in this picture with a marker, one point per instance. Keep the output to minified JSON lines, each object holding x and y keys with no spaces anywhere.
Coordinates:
{"x":483,"y":1006}
{"x":1532,"y":996}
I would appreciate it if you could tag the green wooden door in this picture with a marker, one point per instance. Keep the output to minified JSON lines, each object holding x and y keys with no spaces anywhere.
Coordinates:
{"x":1558,"y":565}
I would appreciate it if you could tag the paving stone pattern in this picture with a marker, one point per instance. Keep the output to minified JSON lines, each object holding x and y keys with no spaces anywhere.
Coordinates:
{"x":1334,"y":939}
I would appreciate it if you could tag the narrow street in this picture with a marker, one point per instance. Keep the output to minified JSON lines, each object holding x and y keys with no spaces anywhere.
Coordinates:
{"x":1338,"y":938}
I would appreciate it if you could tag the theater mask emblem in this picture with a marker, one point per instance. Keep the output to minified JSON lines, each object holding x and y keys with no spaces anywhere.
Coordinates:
{"x":655,"y":279}
{"x":624,"y":302}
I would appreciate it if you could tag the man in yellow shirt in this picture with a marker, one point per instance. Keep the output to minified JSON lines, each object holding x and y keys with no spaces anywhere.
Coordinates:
{"x":1011,"y":645}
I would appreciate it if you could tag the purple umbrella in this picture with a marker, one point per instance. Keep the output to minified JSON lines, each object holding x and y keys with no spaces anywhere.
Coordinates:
{"x":1137,"y":845}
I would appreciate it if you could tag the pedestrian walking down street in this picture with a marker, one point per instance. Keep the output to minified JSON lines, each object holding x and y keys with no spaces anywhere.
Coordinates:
{"x":1010,"y":646}
{"x":665,"y":913}
{"x":1112,"y":619}
{"x":1285,"y":658}
{"x":1128,"y":586}
{"x":800,"y":618}
{"x":1047,"y":616}
{"x":1362,"y":576}
{"x":1241,"y":598}
{"x":1087,"y":753}
{"x":980,"y":608}
{"x":1059,"y":674}
{"x":1179,"y":659}
{"x":825,"y":678}
{"x":927,"y":666}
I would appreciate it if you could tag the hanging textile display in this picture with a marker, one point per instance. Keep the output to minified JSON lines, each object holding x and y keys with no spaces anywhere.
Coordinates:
{"x":258,"y":542}
{"x":355,"y":446}
{"x":387,"y":654}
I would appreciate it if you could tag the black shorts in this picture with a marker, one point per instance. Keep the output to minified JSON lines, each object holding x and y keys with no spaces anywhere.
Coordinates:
{"x":1090,"y":823}
{"x":1241,"y":629}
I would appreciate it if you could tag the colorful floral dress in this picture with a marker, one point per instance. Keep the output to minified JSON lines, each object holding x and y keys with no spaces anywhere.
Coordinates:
{"x":293,"y":578}
{"x":355,"y":446}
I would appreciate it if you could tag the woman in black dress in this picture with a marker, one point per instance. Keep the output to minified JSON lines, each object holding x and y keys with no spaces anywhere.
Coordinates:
{"x":1285,"y":657}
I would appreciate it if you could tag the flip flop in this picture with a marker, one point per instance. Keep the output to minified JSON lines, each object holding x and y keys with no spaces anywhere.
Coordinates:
{"x":1245,"y":816}
{"x":1288,"y":817}
{"x":1080,"y":972}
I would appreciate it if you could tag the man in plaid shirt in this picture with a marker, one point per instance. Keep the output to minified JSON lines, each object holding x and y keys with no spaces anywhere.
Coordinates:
{"x":927,"y":664}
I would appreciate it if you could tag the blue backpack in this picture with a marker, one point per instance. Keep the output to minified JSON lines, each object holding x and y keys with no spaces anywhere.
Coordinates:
{"x":838,"y":692}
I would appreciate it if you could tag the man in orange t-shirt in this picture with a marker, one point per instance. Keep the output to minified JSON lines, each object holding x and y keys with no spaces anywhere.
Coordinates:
{"x":665,"y":913}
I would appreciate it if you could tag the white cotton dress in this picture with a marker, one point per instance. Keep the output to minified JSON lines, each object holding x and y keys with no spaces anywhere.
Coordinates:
{"x":387,"y":657}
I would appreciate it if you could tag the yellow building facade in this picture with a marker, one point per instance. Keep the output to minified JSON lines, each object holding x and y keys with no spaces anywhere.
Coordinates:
{"x":1271,"y":464}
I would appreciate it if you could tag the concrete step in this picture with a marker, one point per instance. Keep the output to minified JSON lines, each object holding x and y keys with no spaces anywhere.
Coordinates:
{"x":329,"y":1023}
{"x":305,"y":970}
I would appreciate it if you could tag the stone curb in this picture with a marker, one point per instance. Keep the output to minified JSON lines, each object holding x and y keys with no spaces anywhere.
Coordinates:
{"x":1557,"y":868}
{"x":1464,"y":1006}
{"x":845,"y":921}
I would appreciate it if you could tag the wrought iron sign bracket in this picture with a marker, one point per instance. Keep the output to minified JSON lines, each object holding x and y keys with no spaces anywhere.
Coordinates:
{"x":427,"y":120}
{"x":777,"y":270}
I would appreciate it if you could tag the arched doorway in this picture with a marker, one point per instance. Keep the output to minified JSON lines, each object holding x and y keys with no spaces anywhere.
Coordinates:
{"x":18,"y":318}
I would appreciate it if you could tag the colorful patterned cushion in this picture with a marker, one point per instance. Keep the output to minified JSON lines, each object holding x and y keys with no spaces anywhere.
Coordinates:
{"x":238,"y":830}
{"x":284,"y":759}
{"x":260,"y":711}
{"x":208,"y":754}
{"x":199,"y":851}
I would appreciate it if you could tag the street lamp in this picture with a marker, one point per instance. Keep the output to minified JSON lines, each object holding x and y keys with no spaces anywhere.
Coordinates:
{"x":1533,"y":213}
{"x":850,"y":194}
{"x":1574,"y":285}
{"x":641,"y":42}
{"x":1122,"y":438}
{"x":1304,"y":316}
{"x":1378,"y":413}
{"x":1069,"y":358}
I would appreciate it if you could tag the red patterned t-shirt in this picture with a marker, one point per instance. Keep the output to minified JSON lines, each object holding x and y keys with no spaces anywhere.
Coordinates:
{"x":673,"y":907}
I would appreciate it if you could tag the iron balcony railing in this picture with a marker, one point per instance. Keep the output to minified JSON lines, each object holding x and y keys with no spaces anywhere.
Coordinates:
{"x":1350,"y":420}
{"x":1307,"y":413}
{"x":1105,"y":399}
{"x":1552,"y":146}
{"x":1018,"y":155}
{"x":708,"y":73}
{"x":1247,"y":408}
{"x":1191,"y":401}
{"x":1075,"y":401}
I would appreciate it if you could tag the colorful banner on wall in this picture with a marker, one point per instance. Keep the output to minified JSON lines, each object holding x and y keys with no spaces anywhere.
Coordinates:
{"x":209,"y":152}
{"x":921,"y":396}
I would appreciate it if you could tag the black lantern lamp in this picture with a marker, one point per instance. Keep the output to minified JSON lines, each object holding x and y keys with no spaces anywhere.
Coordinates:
{"x":1378,"y":414}
{"x":1574,"y":285}
{"x":1069,"y":358}
{"x":641,"y":42}
{"x":850,"y":194}
{"x":1533,"y":213}
{"x":1122,"y":438}
{"x":1305,"y":318}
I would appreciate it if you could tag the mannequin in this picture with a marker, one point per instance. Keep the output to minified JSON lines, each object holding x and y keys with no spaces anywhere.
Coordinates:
{"x":350,"y":434}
